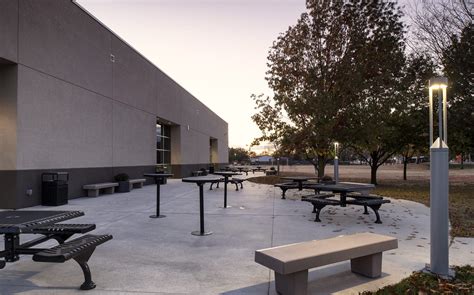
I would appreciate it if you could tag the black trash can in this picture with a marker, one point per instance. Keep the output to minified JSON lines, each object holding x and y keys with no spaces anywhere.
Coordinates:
{"x":211,"y":169}
{"x":54,"y":188}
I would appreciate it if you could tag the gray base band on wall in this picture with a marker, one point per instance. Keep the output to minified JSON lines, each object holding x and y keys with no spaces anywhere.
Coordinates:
{"x":16,"y":183}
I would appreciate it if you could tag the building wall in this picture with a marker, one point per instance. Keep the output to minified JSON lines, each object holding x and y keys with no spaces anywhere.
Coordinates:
{"x":83,"y":101}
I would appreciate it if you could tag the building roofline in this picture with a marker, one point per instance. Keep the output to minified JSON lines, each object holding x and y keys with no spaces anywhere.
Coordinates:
{"x":140,"y":54}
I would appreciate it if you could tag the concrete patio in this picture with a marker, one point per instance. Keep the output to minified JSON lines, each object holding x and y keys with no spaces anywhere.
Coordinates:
{"x":160,"y":256}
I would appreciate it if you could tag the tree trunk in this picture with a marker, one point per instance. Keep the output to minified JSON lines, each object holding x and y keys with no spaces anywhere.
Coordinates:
{"x":462,"y":160}
{"x":373,"y":174}
{"x":373,"y":167}
{"x":321,"y":165}
{"x":405,"y":164}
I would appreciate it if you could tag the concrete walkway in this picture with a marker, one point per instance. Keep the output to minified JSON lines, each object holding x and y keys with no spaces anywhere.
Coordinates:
{"x":160,"y":256}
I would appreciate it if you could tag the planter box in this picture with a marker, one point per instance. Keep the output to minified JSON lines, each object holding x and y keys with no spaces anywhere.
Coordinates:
{"x":124,"y":187}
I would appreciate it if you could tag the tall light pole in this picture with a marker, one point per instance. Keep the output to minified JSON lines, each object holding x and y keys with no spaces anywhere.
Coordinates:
{"x":439,"y":182}
{"x":336,"y":163}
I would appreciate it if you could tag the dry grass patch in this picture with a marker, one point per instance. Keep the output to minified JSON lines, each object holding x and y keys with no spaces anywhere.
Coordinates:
{"x":461,"y":197}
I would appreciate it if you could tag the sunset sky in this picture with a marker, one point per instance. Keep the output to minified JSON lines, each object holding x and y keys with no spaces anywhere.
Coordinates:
{"x":215,"y":49}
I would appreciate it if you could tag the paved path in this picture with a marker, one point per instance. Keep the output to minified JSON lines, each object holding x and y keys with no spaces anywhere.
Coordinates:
{"x":160,"y":256}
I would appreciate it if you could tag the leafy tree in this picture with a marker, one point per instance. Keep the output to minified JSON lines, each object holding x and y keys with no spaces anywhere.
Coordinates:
{"x":336,"y":58}
{"x":458,"y":61}
{"x":372,"y":130}
{"x":413,"y":124}
{"x":238,"y":155}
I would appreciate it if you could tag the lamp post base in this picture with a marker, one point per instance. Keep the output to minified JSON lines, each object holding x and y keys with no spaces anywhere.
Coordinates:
{"x":157,"y":216}
{"x":451,"y":272}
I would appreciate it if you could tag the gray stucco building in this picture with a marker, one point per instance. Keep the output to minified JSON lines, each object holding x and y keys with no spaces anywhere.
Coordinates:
{"x":74,"y":97}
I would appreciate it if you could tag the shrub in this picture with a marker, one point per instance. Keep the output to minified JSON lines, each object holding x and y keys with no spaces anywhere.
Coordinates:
{"x":121,"y":177}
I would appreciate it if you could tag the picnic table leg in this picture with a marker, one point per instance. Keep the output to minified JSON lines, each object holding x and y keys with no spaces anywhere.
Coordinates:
{"x":343,"y":199}
{"x":300,"y":185}
{"x":157,"y":201}
{"x":376,"y":210}
{"x":318,"y":211}
{"x":201,"y":231}
{"x":366,"y":212}
{"x":283,"y":193}
{"x":12,"y":242}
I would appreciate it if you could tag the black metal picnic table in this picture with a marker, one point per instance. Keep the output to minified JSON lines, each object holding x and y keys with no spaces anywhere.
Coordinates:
{"x":299,"y":180}
{"x":158,"y":177}
{"x":200,"y":181}
{"x":342,"y":188}
{"x":226,"y":175}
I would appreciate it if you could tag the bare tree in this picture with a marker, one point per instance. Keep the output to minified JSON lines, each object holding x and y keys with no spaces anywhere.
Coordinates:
{"x":434,"y":22}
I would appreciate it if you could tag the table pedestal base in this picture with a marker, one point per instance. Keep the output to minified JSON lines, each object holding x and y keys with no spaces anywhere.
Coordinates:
{"x":157,"y":216}
{"x":198,"y":233}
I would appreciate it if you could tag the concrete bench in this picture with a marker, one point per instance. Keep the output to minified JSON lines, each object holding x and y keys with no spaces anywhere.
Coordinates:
{"x":137,"y":183}
{"x":292,"y":262}
{"x":106,"y":187}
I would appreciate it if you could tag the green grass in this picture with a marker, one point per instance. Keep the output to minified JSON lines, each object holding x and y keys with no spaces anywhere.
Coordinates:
{"x":423,"y":283}
{"x":461,"y":198}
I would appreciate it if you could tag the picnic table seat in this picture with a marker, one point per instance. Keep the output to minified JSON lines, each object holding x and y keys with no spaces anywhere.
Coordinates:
{"x":319,"y":201}
{"x":106,"y":187}
{"x":62,"y":232}
{"x":137,"y":183}
{"x":237,"y":181}
{"x":79,"y":249}
{"x":364,"y":196}
{"x":286,"y":186}
{"x":292,"y":262}
{"x":216,"y":182}
{"x":373,"y":204}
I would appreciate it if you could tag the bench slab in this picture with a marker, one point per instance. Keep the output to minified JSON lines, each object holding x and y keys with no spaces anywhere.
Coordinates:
{"x":93,"y":189}
{"x":292,"y":262}
{"x":296,"y":257}
{"x":100,"y":185}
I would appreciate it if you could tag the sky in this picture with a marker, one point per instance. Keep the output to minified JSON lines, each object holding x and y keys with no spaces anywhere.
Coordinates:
{"x":215,"y":49}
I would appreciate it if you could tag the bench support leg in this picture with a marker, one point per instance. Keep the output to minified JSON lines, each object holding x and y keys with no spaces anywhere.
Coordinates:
{"x":283,"y":193}
{"x":82,"y":261}
{"x":93,"y":193}
{"x":109,"y":190}
{"x":292,"y":284}
{"x":376,"y":210}
{"x":369,"y":266}
{"x":318,"y":211}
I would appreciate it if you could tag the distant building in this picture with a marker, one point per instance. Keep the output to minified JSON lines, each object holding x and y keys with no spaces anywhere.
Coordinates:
{"x":261,"y":159}
{"x":75,"y":97}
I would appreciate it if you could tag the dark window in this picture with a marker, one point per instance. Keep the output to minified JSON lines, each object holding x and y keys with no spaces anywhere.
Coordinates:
{"x":163,"y":146}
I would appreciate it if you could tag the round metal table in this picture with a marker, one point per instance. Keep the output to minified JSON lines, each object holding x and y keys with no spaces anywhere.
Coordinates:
{"x":158,"y":177}
{"x":200,"y":181}
{"x":226,"y":175}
